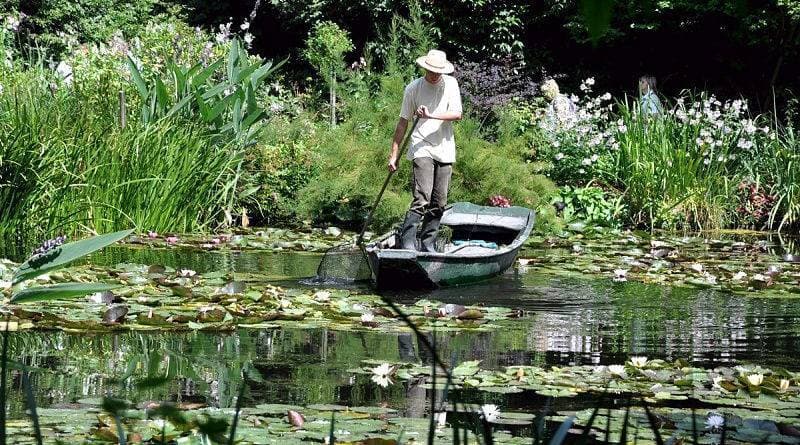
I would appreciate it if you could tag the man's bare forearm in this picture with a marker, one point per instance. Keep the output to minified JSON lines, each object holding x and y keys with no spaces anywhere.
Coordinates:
{"x":399,"y":132}
{"x":447,"y":116}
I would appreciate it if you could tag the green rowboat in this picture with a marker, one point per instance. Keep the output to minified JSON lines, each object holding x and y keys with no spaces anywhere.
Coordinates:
{"x":484,"y":243}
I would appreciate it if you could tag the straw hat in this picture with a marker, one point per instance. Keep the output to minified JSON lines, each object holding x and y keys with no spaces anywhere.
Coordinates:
{"x":435,"y":61}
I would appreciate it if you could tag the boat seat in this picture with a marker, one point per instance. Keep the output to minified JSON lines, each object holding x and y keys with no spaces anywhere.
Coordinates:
{"x":468,"y":249}
{"x":466,"y":214}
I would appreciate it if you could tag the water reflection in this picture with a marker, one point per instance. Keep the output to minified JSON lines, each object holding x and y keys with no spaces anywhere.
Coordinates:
{"x":580,"y":321}
{"x":567,"y":321}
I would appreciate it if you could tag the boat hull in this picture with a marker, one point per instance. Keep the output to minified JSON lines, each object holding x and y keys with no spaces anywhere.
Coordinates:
{"x":483,"y":243}
{"x":405,"y":269}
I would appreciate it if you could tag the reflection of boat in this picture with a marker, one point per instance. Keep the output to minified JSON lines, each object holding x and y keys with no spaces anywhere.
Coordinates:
{"x":484,"y":243}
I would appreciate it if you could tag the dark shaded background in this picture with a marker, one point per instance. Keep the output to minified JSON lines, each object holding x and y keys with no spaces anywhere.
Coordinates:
{"x":729,"y":47}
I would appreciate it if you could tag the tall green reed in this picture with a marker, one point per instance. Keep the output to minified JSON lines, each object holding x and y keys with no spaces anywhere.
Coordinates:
{"x":65,"y":167}
{"x":779,"y":171}
{"x":677,"y":170}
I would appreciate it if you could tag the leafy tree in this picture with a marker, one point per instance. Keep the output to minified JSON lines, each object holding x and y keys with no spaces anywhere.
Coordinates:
{"x":325,"y":50}
{"x":90,"y":20}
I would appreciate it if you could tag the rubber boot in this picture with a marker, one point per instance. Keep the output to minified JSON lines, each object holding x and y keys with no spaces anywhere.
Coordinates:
{"x":408,"y":231}
{"x":430,"y":228}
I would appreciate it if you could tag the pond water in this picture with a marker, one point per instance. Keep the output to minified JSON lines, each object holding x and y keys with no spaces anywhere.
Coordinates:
{"x":567,"y":321}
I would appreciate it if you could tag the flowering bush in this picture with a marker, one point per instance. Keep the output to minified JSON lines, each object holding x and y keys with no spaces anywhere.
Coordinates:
{"x":499,"y":201}
{"x":755,"y":204}
{"x":9,"y":28}
{"x":676,"y":168}
{"x":721,"y":132}
{"x":578,"y":133}
{"x":163,"y":41}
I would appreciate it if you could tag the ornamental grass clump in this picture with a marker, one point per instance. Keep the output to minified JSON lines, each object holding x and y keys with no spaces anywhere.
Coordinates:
{"x":677,"y":169}
{"x":779,"y":173}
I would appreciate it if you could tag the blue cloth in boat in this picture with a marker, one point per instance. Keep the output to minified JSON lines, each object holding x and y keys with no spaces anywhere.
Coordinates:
{"x":475,"y":242}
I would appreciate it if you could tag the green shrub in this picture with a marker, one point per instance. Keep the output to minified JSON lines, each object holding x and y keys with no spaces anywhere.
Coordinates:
{"x":591,"y":205}
{"x":325,"y":50}
{"x":65,"y":160}
{"x":88,"y":20}
{"x":61,"y":163}
{"x":281,"y":164}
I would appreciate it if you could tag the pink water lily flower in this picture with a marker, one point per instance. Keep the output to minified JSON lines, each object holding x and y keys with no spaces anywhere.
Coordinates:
{"x":172,"y":239}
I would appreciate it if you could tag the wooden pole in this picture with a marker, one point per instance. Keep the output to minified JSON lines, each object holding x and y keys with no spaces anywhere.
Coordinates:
{"x":123,"y":111}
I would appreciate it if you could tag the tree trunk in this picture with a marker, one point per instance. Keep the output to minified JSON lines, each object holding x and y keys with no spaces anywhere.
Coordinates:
{"x":333,"y":98}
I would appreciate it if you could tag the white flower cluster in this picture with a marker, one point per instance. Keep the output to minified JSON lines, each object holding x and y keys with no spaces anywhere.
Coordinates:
{"x":11,"y":22}
{"x":582,"y":124}
{"x":723,"y":130}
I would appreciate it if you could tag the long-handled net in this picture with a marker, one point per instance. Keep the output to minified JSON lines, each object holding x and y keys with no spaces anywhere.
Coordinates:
{"x":347,"y":263}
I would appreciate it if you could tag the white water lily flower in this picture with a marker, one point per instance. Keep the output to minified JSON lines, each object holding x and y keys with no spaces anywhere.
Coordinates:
{"x":739,"y":276}
{"x":715,"y":421}
{"x":187,"y":273}
{"x":322,"y":295}
{"x":382,"y":374}
{"x":616,"y":369}
{"x":784,"y":385}
{"x":697,"y":267}
{"x":441,"y":419}
{"x":639,"y":362}
{"x":367,"y":318}
{"x":755,"y":379}
{"x":490,"y":412}
{"x":620,"y":274}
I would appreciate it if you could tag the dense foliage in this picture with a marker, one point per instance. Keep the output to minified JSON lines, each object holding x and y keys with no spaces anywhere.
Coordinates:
{"x":128,"y":110}
{"x":730,"y":47}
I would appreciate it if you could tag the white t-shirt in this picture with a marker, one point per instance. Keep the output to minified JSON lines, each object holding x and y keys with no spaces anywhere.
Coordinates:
{"x":433,"y":138}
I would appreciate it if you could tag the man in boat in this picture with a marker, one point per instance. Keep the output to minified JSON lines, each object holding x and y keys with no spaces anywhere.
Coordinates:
{"x":436,"y":101}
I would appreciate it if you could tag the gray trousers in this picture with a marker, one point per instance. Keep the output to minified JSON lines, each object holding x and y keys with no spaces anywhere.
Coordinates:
{"x":429,"y":183}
